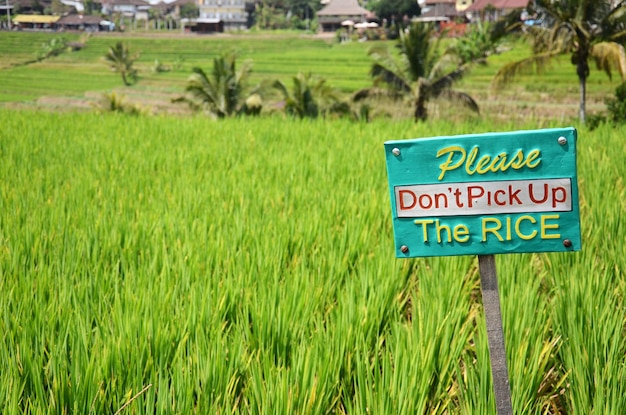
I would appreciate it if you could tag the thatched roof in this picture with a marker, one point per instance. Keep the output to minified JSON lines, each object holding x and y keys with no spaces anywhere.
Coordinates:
{"x":35,"y":19}
{"x":343,"y":8}
{"x":78,"y":19}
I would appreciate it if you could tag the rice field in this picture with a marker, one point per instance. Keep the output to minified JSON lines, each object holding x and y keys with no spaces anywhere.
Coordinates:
{"x":180,"y":265}
{"x":77,"y":80}
{"x":84,"y":71}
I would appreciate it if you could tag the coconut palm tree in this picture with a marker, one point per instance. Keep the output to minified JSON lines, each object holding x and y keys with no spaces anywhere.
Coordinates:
{"x":222,"y":92}
{"x":421,"y":71}
{"x":309,"y":96}
{"x":585,"y":29}
{"x":121,"y":61}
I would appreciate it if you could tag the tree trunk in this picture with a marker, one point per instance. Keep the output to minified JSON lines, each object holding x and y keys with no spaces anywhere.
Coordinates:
{"x":421,"y":112}
{"x":583,"y":99}
{"x":582,"y":70}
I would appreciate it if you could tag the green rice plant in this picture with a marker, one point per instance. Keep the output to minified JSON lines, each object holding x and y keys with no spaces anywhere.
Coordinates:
{"x":537,"y":380}
{"x":414,"y":368}
{"x":589,"y":300}
{"x":155,"y":264}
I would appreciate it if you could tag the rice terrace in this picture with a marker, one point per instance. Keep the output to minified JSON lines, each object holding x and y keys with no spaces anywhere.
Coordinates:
{"x":164,"y":251}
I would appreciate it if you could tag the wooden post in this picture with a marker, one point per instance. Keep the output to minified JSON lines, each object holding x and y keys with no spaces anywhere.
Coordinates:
{"x":495,"y":334}
{"x":8,"y":14}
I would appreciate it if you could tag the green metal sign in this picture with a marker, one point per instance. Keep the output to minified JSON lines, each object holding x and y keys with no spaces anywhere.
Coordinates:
{"x":483,"y":194}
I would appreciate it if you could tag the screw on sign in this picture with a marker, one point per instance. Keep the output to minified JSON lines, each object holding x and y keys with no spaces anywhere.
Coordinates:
{"x":486,"y":194}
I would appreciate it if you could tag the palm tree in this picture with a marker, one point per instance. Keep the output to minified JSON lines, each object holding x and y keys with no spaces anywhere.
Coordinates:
{"x":586,"y":29}
{"x":421,"y":72}
{"x":309,"y":97}
{"x":222,"y":92}
{"x":121,"y":61}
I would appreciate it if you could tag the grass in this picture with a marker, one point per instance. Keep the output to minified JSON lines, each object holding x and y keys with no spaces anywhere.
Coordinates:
{"x":83,"y":71}
{"x":246,"y":266}
{"x":77,"y":79}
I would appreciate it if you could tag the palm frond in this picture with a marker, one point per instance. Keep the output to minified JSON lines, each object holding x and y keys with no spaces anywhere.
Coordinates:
{"x":564,"y":38}
{"x":614,"y":26}
{"x":609,"y":55}
{"x":509,"y":23}
{"x":446,"y":64}
{"x":510,"y":71}
{"x":446,"y":81}
{"x":201,"y":88}
{"x":281,"y":87}
{"x":419,"y":46}
{"x":552,"y":10}
{"x":457,"y":96}
{"x":362,"y":94}
{"x":618,"y":13}
{"x":389,"y":77}
{"x":376,"y":92}
{"x":387,"y":69}
{"x":381,"y":55}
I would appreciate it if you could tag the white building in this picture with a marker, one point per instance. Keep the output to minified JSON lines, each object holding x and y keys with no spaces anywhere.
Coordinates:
{"x":231,"y":12}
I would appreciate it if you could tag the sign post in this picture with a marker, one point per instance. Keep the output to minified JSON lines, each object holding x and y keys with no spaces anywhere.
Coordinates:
{"x":495,"y":334}
{"x":486,"y":194}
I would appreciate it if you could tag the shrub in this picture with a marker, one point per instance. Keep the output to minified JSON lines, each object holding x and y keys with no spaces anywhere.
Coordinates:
{"x":118,"y":103}
{"x":616,"y":110}
{"x":617,"y":106}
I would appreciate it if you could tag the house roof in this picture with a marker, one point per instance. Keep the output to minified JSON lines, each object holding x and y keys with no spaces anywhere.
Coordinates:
{"x":343,"y":8}
{"x":498,"y":4}
{"x":162,"y":6}
{"x":126,"y":2}
{"x":35,"y":18}
{"x":78,"y":19}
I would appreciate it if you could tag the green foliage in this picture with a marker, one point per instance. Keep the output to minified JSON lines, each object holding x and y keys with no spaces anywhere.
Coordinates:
{"x":54,"y":47}
{"x":479,"y":42}
{"x":395,"y":12}
{"x":120,"y":60}
{"x":223,"y":91}
{"x":189,"y":10}
{"x":419,"y":51}
{"x":57,"y":8}
{"x":615,"y":110}
{"x":309,"y":97}
{"x":616,"y":106}
{"x":37,"y":6}
{"x":90,"y":7}
{"x":288,"y":14}
{"x":585,"y":30}
{"x":269,"y":17}
{"x":118,"y":103}
{"x":420,"y":72}
{"x":160,"y":67}
{"x":179,"y":63}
